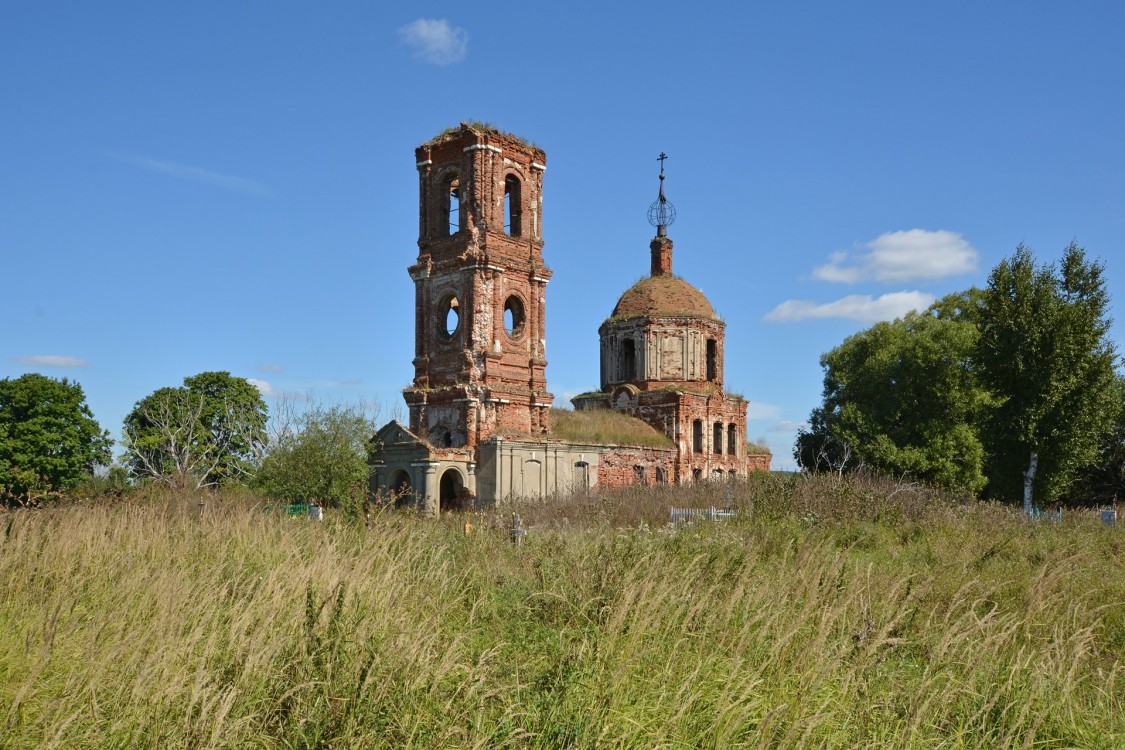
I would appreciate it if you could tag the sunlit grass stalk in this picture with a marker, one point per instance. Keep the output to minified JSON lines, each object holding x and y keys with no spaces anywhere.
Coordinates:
{"x":846,"y":613}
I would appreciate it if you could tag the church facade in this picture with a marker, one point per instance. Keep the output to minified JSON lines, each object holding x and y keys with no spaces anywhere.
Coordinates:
{"x":480,"y":424}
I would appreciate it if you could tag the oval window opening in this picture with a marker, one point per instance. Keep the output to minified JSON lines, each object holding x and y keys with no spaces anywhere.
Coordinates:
{"x":513,"y":316}
{"x":452,"y":316}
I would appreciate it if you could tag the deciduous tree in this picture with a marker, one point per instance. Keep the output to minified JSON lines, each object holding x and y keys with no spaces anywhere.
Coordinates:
{"x":321,"y":454}
{"x":1103,"y":481}
{"x":902,"y":398}
{"x":1045,"y":353}
{"x":49,"y":439}
{"x":210,"y":431}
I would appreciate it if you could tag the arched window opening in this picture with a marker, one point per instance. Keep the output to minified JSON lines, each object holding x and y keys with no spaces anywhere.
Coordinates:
{"x":452,"y":204}
{"x":639,"y":471}
{"x":717,"y":438}
{"x":717,"y":475}
{"x":513,"y":200}
{"x":697,"y":436}
{"x":712,"y":360}
{"x":732,"y":439}
{"x":697,"y":475}
{"x":450,"y":314}
{"x":513,"y":316}
{"x":582,"y":475}
{"x":628,"y":359}
{"x":447,"y":439}
{"x":660,"y":476}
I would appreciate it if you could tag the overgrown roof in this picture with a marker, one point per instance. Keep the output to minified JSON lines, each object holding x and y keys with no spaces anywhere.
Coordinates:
{"x":598,"y":427}
{"x":663,"y":296}
{"x":602,"y":426}
{"x":480,"y":128}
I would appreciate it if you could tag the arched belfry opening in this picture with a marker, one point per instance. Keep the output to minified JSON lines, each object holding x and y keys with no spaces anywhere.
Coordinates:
{"x":513,"y":206}
{"x":451,"y":204}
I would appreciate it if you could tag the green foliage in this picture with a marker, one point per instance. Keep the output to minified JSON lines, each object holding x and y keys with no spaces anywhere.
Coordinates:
{"x":1103,"y":480}
{"x":209,"y":432}
{"x":323,"y":458}
{"x":902,"y":398}
{"x":1045,"y":353}
{"x":49,"y":439}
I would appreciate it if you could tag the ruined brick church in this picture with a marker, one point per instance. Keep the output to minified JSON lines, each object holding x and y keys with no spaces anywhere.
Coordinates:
{"x":480,"y":427}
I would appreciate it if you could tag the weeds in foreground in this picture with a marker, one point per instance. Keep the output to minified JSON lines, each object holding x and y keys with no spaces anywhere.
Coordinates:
{"x":827,"y":614}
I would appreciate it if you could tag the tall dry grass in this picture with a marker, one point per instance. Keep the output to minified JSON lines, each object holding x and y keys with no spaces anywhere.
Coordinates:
{"x":828,"y":614}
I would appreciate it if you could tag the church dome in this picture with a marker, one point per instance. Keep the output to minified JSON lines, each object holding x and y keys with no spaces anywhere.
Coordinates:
{"x":663,"y":296}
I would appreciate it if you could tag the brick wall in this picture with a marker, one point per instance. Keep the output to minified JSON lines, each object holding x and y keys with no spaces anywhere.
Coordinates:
{"x":627,"y":467}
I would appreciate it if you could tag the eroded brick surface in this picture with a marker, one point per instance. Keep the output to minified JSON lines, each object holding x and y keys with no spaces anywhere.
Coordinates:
{"x":626,"y":467}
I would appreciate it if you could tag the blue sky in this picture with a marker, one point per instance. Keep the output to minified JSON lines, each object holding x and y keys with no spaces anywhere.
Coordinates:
{"x":231,"y":186}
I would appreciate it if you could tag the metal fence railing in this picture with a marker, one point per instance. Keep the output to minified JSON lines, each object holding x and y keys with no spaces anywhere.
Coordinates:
{"x":690,"y":515}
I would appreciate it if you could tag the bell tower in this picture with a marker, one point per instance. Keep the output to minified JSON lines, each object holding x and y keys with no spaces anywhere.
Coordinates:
{"x":480,"y":289}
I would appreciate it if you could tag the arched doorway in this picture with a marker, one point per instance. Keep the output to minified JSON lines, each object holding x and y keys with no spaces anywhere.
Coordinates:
{"x":450,"y":491}
{"x":400,"y":488}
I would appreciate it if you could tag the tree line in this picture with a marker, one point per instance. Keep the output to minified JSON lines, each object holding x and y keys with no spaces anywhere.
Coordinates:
{"x":1012,"y":391}
{"x":213,"y":431}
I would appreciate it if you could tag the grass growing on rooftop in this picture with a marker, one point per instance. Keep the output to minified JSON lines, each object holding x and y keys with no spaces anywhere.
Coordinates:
{"x":603,"y":426}
{"x":831,"y":612}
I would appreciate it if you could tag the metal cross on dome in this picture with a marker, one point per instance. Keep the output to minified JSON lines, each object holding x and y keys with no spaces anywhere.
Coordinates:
{"x":661,"y":214}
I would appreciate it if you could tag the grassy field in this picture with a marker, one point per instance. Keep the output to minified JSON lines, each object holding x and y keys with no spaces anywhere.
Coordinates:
{"x":830,"y":613}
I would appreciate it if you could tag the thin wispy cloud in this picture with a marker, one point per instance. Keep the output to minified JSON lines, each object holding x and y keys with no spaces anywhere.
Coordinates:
{"x":903,"y":256}
{"x":788,"y":426}
{"x":435,"y":40}
{"x":270,"y":368}
{"x":760,"y":410}
{"x":862,"y":308}
{"x":195,"y":174}
{"x":50,"y":360}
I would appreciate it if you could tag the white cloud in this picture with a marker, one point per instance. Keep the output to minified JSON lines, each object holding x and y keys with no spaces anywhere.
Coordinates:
{"x":195,"y":174}
{"x":435,"y":41}
{"x":270,"y":368}
{"x":787,"y":425}
{"x":51,"y":360}
{"x":862,"y":308}
{"x":263,"y":386}
{"x":903,"y":256}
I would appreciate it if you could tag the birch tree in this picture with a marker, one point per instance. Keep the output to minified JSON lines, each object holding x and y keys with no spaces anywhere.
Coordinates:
{"x":1045,"y":354}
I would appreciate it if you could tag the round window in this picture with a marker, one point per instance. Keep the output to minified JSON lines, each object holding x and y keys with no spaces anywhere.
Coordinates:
{"x":449,"y":317}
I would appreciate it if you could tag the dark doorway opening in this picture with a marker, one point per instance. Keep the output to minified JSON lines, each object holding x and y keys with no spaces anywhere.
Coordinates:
{"x":451,"y":494}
